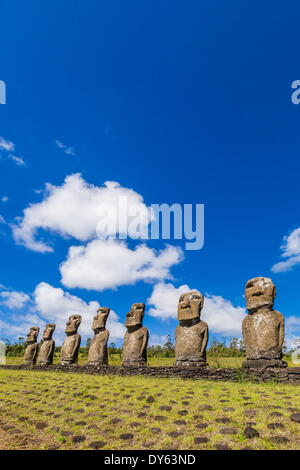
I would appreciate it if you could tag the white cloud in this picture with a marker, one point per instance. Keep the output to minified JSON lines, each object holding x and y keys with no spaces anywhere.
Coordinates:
{"x":157,"y":340}
{"x":67,"y":150}
{"x":19,"y":161}
{"x":219,"y":313}
{"x":4,"y":199}
{"x":164,"y":299}
{"x":70,"y":210}
{"x":56,"y":305}
{"x":290,"y":248}
{"x":6,"y":145}
{"x":108,"y":264}
{"x":13,"y":299}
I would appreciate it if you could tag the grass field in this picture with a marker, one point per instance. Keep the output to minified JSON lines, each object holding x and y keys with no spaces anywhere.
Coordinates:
{"x":57,"y":410}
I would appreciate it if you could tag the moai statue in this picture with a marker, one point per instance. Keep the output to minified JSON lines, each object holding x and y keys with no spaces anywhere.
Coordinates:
{"x":136,"y":338}
{"x":32,"y":346}
{"x":263,"y":327}
{"x":98,"y":347}
{"x":191,"y":335}
{"x":70,"y":347}
{"x":47,"y":346}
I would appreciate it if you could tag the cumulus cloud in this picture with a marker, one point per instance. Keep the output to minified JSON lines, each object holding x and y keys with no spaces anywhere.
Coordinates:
{"x":6,"y":145}
{"x":219,"y":313}
{"x":56,"y":305}
{"x":290,"y":249}
{"x":108,"y":264}
{"x":13,"y":299}
{"x":72,"y":210}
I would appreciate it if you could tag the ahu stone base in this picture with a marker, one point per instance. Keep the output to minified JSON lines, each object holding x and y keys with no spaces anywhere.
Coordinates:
{"x":288,"y":375}
{"x":190,"y":364}
{"x":264,"y":364}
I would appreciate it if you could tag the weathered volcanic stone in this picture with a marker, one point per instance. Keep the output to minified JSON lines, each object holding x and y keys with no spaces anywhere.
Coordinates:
{"x":71,"y":345}
{"x":191,"y":334}
{"x":263,"y":327}
{"x":32,"y":346}
{"x":98,"y":347}
{"x":47,"y":346}
{"x":136,"y":338}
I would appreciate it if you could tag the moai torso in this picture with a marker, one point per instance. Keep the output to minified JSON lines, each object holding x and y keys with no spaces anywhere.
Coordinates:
{"x":70,"y":348}
{"x":191,"y":335}
{"x":31,"y":353}
{"x":46,"y":352}
{"x":190,"y":341}
{"x":98,"y":347}
{"x":47,"y":346}
{"x":263,"y":327}
{"x":134,"y":345}
{"x":136,"y":338}
{"x":71,"y":344}
{"x":32,"y":346}
{"x":263,"y":335}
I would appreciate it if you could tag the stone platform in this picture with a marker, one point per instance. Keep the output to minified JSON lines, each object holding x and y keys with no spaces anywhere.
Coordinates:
{"x":290,"y":375}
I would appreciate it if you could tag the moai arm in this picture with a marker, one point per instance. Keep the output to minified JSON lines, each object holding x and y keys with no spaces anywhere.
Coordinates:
{"x":145,"y":342}
{"x":281,"y":333}
{"x":204,"y":340}
{"x":76,"y":347}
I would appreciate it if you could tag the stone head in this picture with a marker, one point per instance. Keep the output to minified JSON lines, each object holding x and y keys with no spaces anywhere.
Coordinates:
{"x":259,"y":292}
{"x":100,"y":318}
{"x":32,"y":335}
{"x":72,"y":324}
{"x":48,"y":331}
{"x":190,"y":305}
{"x":135,"y":316}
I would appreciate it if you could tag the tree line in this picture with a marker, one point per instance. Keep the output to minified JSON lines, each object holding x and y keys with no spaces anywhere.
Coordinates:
{"x":233,"y":347}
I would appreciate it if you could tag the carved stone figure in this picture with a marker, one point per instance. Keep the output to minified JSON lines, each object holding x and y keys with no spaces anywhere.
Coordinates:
{"x":263,"y":327}
{"x":191,"y":335}
{"x":70,"y":347}
{"x":47,"y":346}
{"x":32,"y":346}
{"x":136,"y":338}
{"x":98,"y":347}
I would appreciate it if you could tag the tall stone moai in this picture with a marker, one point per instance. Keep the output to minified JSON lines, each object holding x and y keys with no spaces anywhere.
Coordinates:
{"x":263,"y":327}
{"x":191,"y":335}
{"x":71,"y":345}
{"x":98,"y":347}
{"x":136,"y":338}
{"x":32,"y":346}
{"x":47,"y":346}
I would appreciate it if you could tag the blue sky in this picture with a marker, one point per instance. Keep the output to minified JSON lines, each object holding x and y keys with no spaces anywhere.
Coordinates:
{"x":179,"y":102}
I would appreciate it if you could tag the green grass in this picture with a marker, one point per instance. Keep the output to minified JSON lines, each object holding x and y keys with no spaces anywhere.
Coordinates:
{"x":42,"y":410}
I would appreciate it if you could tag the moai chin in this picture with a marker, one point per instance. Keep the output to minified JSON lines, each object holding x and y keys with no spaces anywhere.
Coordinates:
{"x":32,"y":346}
{"x":191,"y":335}
{"x":263,"y":327}
{"x":47,"y":346}
{"x":136,"y":338}
{"x":98,"y":347}
{"x":71,"y":345}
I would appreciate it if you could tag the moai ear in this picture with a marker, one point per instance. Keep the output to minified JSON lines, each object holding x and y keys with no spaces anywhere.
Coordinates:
{"x":274,"y":292}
